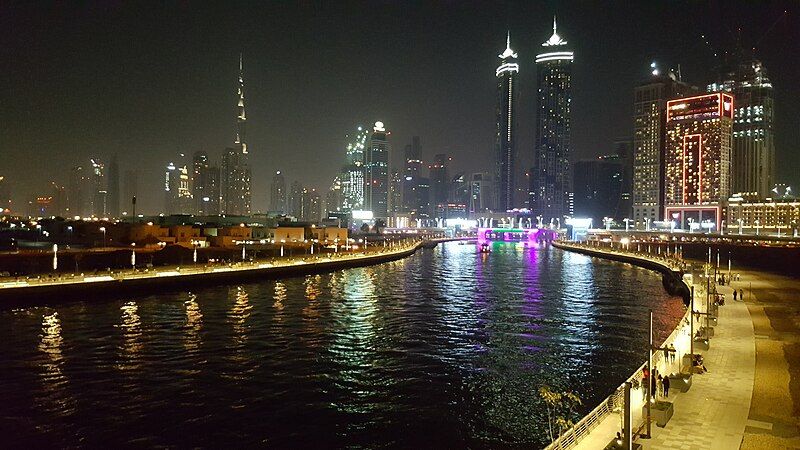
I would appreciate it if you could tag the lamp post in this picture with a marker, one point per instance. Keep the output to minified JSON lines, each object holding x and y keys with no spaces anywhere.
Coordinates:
{"x":244,"y":252}
{"x":646,"y":224}
{"x":133,"y":255}
{"x":194,"y":254}
{"x":55,"y":257}
{"x":758,"y":227}
{"x":627,"y":223}
{"x":103,"y":229}
{"x":283,"y":241}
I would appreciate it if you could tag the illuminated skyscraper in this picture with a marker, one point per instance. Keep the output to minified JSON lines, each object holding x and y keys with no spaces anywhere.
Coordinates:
{"x":352,"y":176}
{"x":414,"y":198}
{"x":440,"y":180}
{"x":236,"y":195}
{"x":376,"y":172}
{"x":505,"y":130}
{"x":296,"y":200}
{"x":753,"y":158}
{"x":277,"y":194}
{"x":177,"y":191}
{"x":549,"y":194}
{"x":205,"y":185}
{"x":698,"y":159}
{"x":99,"y":189}
{"x":649,"y":137}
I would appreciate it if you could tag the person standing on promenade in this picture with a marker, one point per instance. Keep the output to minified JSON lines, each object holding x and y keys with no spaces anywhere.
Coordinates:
{"x":672,"y":352}
{"x":734,"y":295}
{"x":741,"y":294}
{"x":645,"y":382}
{"x":665,"y":383}
{"x":660,"y":386}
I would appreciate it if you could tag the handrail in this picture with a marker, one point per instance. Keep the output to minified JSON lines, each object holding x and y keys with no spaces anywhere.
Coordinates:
{"x":615,"y":401}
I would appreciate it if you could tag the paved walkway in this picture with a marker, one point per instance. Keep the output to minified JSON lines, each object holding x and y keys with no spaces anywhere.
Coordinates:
{"x":713,"y":414}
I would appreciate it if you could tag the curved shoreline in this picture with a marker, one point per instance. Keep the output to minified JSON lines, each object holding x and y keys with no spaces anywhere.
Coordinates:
{"x":90,"y":288}
{"x":596,"y":418}
{"x":672,"y":279}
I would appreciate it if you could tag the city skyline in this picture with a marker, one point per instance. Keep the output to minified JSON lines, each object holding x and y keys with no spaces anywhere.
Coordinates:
{"x":194,"y":90}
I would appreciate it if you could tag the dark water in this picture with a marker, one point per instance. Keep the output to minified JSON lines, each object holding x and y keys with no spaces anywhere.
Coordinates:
{"x":444,"y":349}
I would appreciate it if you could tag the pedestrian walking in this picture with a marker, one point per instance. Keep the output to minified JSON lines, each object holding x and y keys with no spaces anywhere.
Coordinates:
{"x":653,"y":383}
{"x":666,"y":386}
{"x":672,"y":352}
{"x":734,"y":295}
{"x":660,"y":386}
{"x":741,"y":294}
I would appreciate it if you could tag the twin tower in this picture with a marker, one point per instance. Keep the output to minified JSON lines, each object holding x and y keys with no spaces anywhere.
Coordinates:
{"x":549,"y":190}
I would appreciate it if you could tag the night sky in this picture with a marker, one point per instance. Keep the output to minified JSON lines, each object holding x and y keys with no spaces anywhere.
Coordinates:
{"x":146,"y":80}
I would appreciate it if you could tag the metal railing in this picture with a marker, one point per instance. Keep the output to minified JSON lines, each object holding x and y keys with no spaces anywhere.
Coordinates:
{"x":615,"y":402}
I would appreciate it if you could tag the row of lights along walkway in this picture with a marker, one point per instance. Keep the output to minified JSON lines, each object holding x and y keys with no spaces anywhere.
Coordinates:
{"x":705,"y":409}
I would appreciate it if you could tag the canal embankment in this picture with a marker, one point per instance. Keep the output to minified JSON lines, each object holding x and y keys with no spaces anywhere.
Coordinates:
{"x":704,"y":409}
{"x":87,"y":287}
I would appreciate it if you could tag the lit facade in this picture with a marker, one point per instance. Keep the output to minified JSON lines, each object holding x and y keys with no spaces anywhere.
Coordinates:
{"x":753,"y":158}
{"x":649,"y":139}
{"x":769,"y":216}
{"x":376,"y":172}
{"x":178,"y":197}
{"x":352,"y":176}
{"x":549,"y":194}
{"x":236,"y":176}
{"x":205,"y":185}
{"x":505,"y":130}
{"x":277,"y":194}
{"x":440,"y":180}
{"x":698,"y":158}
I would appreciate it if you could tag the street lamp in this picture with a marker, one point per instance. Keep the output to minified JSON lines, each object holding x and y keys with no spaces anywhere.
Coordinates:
{"x":103,"y":229}
{"x":133,"y":255}
{"x":646,"y":224}
{"x":55,"y":257}
{"x":627,"y":223}
{"x":283,"y":241}
{"x":757,"y":227}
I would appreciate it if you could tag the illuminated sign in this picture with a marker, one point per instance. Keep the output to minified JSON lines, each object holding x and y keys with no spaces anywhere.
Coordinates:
{"x":701,"y":107}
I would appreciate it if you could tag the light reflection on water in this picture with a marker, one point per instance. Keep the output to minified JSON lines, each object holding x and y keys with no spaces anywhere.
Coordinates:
{"x":445,"y":348}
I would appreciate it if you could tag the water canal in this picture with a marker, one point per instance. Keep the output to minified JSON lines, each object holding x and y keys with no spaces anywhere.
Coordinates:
{"x":445,"y":348}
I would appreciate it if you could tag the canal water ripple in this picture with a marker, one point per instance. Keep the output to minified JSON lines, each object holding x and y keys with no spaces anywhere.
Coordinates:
{"x":446,"y":348}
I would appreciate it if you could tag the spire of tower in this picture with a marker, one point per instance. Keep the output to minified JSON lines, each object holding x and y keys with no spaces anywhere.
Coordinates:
{"x":555,"y":39}
{"x":242,"y":117}
{"x":508,"y":52}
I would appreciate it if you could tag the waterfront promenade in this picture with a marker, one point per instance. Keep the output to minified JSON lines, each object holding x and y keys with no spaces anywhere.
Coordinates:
{"x":187,"y":275}
{"x":714,"y":412}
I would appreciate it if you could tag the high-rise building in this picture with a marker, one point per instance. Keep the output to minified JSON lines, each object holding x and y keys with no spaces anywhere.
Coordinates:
{"x":5,"y":196}
{"x":130,"y":189}
{"x":277,"y":194}
{"x":296,"y":200}
{"x":550,"y":177}
{"x":333,"y":199}
{"x":505,"y":129}
{"x":440,"y":180}
{"x":236,"y":176}
{"x":481,"y":196}
{"x":459,"y":188}
{"x":314,"y":210}
{"x":598,"y":185}
{"x":414,"y":198}
{"x":753,"y":159}
{"x":112,"y":189}
{"x":204,"y":185}
{"x":99,"y":189}
{"x":623,"y":150}
{"x":649,"y":138}
{"x":698,"y":159}
{"x":177,"y":188}
{"x":79,"y":192}
{"x":352,"y":176}
{"x":395,"y":192}
{"x":376,"y":172}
